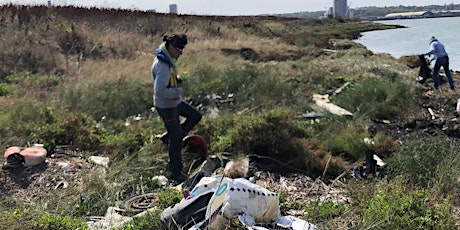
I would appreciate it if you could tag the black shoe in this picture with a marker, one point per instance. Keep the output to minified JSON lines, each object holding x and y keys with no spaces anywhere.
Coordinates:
{"x":179,"y":178}
{"x":163,"y":138}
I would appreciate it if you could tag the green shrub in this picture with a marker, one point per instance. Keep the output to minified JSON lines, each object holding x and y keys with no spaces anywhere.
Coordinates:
{"x":36,"y":123}
{"x":17,"y":219}
{"x":125,"y":144}
{"x":77,"y":130}
{"x":378,"y":98}
{"x":118,"y":100}
{"x":346,"y":142}
{"x":323,"y":211}
{"x":5,"y":89}
{"x":429,"y":162}
{"x":148,"y":221}
{"x":394,"y":208}
{"x":250,"y":88}
{"x":27,"y":116}
{"x":51,"y":221}
{"x":27,"y":219}
{"x":270,"y":135}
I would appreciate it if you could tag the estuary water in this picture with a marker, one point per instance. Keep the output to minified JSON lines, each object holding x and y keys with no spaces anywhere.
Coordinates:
{"x":413,"y":40}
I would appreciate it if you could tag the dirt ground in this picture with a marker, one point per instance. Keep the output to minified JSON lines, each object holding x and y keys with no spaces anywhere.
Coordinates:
{"x":32,"y":183}
{"x":60,"y":170}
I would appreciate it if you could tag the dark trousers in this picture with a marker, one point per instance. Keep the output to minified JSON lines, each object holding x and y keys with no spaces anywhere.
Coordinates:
{"x":176,"y":131}
{"x":444,"y":62}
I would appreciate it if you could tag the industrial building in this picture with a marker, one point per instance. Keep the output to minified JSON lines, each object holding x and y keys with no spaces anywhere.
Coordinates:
{"x":340,"y":9}
{"x":421,"y":14}
{"x":173,"y":8}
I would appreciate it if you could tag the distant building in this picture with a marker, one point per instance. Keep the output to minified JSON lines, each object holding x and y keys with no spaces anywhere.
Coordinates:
{"x":340,"y":8}
{"x":404,"y":15}
{"x":420,"y":14}
{"x":173,"y":8}
{"x":329,"y":12}
{"x":49,"y":3}
{"x":350,"y":13}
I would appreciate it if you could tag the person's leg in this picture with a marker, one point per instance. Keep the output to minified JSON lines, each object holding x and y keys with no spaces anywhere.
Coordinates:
{"x":437,"y":66}
{"x":170,"y":118}
{"x":445,"y":66}
{"x":192,"y":117}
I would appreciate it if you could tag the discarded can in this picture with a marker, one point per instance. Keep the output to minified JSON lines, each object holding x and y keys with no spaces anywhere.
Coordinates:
{"x":186,"y":193}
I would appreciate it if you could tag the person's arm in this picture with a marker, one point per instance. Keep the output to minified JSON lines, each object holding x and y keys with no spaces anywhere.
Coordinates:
{"x":432,"y":50}
{"x":162,"y":74}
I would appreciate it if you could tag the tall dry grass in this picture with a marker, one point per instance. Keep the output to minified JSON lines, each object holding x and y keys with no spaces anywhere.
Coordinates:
{"x":71,"y":66}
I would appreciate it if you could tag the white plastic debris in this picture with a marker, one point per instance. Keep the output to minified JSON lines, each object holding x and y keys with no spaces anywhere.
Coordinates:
{"x":104,"y":161}
{"x":458,"y":106}
{"x":294,"y":223}
{"x":161,"y":180}
{"x":111,"y":220}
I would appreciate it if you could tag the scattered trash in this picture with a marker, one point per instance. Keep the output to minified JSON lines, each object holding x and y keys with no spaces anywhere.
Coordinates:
{"x":187,"y":212}
{"x":324,"y":102}
{"x":104,"y":161}
{"x":311,"y":116}
{"x":63,"y":165}
{"x":372,"y":165}
{"x":211,"y":200}
{"x":236,"y":196}
{"x":458,"y":106}
{"x":216,"y":199}
{"x":253,"y":205}
{"x":111,"y":220}
{"x":161,"y":180}
{"x":140,"y":203}
{"x":425,"y":70}
{"x":62,"y":184}
{"x":31,"y":156}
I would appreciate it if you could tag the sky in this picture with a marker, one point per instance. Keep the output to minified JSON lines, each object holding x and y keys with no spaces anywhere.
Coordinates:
{"x":231,"y":7}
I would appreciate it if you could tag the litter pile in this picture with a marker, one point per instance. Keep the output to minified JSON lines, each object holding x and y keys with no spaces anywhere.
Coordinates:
{"x":220,"y":192}
{"x":217,"y":200}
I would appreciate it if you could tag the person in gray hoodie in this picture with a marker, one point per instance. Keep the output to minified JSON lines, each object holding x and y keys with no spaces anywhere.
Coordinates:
{"x":167,"y":97}
{"x":441,"y":58}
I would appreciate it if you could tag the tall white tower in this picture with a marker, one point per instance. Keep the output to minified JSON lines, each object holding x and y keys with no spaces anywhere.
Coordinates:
{"x":340,"y":8}
{"x":173,"y":8}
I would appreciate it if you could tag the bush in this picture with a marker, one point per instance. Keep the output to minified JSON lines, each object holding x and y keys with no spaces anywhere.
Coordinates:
{"x":324,"y":211}
{"x":35,"y":123}
{"x":117,"y":100}
{"x":347,"y":143}
{"x":394,"y":208}
{"x":269,"y":135}
{"x":17,"y":219}
{"x":149,"y":221}
{"x":51,"y":221}
{"x":250,"y":88}
{"x":5,"y":89}
{"x":378,"y":98}
{"x":428,"y":162}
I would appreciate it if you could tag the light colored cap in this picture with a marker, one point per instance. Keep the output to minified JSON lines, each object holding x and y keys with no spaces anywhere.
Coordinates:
{"x":432,"y":37}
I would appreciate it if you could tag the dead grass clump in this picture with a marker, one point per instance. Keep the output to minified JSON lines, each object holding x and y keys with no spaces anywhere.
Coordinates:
{"x":412,"y":61}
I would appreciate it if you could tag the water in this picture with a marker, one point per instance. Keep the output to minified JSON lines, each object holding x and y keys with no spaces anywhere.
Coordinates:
{"x":413,"y":40}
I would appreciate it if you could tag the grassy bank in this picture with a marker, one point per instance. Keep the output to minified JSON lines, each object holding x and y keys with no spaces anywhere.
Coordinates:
{"x":74,"y":77}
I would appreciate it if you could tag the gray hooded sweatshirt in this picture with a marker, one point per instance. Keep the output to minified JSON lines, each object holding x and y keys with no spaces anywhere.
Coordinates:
{"x":166,"y":91}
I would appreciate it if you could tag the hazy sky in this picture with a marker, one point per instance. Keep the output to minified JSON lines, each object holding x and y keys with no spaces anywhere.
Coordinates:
{"x":232,"y":7}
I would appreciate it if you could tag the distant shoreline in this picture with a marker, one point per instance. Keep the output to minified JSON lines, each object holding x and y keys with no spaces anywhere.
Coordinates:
{"x":418,"y":15}
{"x":390,"y":19}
